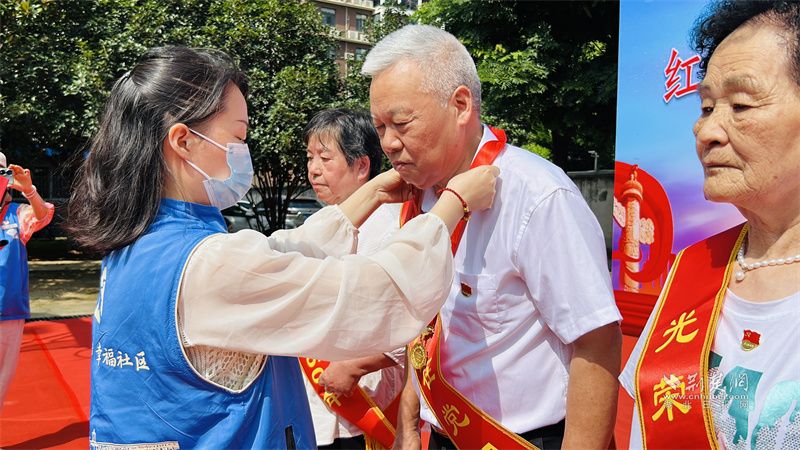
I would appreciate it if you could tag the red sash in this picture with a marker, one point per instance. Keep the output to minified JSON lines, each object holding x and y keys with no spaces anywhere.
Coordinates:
{"x":359,"y":408}
{"x":672,"y":393}
{"x":466,"y":425}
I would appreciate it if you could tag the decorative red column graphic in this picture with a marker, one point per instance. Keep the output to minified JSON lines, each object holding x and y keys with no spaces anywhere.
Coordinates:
{"x":644,"y":248}
{"x":633,"y":230}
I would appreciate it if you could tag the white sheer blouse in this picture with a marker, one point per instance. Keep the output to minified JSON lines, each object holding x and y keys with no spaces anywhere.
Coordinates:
{"x":304,"y":292}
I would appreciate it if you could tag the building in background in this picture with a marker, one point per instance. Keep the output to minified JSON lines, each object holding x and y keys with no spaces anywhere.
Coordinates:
{"x":349,"y":18}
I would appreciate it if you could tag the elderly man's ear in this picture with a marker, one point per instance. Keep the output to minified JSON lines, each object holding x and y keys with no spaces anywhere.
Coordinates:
{"x":462,"y":101}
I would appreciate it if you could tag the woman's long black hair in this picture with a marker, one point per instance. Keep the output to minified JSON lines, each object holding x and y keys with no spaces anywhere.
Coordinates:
{"x":118,"y":187}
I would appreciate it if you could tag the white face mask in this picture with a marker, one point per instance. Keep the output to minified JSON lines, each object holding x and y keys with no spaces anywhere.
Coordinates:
{"x":224,"y":194}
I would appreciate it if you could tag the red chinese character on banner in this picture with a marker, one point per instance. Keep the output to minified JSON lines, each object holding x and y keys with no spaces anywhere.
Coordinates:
{"x":673,"y":82}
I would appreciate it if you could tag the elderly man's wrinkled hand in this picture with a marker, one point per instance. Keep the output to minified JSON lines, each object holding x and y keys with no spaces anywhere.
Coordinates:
{"x":407,"y":441}
{"x":340,"y":378}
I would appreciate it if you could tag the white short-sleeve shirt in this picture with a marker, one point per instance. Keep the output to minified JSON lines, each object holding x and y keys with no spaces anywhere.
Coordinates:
{"x":536,"y":265}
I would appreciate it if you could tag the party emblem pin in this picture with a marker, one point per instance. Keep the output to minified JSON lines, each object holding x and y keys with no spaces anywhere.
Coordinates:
{"x":466,"y":290}
{"x":750,"y":340}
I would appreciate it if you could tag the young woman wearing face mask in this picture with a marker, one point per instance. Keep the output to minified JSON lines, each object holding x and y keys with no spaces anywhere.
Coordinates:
{"x":194,"y":329}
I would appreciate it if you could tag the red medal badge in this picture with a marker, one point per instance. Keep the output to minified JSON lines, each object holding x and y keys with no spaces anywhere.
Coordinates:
{"x":750,"y":340}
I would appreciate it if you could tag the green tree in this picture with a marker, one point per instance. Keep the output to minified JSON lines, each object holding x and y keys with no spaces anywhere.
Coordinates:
{"x":59,"y":59}
{"x":283,"y":47}
{"x":299,"y":91}
{"x":548,"y":71}
{"x":46,"y":94}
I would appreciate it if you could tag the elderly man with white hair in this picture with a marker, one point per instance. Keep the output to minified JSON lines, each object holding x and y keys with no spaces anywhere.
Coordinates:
{"x":526,"y":349}
{"x":19,"y":222}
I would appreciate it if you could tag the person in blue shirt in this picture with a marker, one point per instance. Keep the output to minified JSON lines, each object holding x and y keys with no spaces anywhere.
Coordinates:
{"x":19,"y":222}
{"x":196,"y":331}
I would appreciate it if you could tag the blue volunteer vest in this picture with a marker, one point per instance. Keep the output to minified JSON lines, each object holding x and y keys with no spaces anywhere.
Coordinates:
{"x":14,"y":300}
{"x":143,"y":390}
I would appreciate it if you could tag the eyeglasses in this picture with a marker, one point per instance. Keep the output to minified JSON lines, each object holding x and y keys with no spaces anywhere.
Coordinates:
{"x":8,"y":173}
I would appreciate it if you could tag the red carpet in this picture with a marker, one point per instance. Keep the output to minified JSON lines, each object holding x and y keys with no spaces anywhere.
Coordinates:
{"x":48,"y":402}
{"x":47,"y":405}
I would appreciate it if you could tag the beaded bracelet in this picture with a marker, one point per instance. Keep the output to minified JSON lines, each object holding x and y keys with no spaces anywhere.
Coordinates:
{"x":467,"y":212}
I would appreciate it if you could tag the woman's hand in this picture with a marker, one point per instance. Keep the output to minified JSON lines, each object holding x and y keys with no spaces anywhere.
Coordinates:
{"x":387,"y":187}
{"x":390,"y":187}
{"x":476,"y":186}
{"x":22,"y":179}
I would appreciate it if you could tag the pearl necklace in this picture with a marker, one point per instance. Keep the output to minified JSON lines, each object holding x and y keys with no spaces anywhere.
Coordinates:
{"x":744,"y":267}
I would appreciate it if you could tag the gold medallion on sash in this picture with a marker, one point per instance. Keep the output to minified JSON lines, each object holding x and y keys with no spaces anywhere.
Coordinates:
{"x":417,"y":353}
{"x":418,"y":356}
